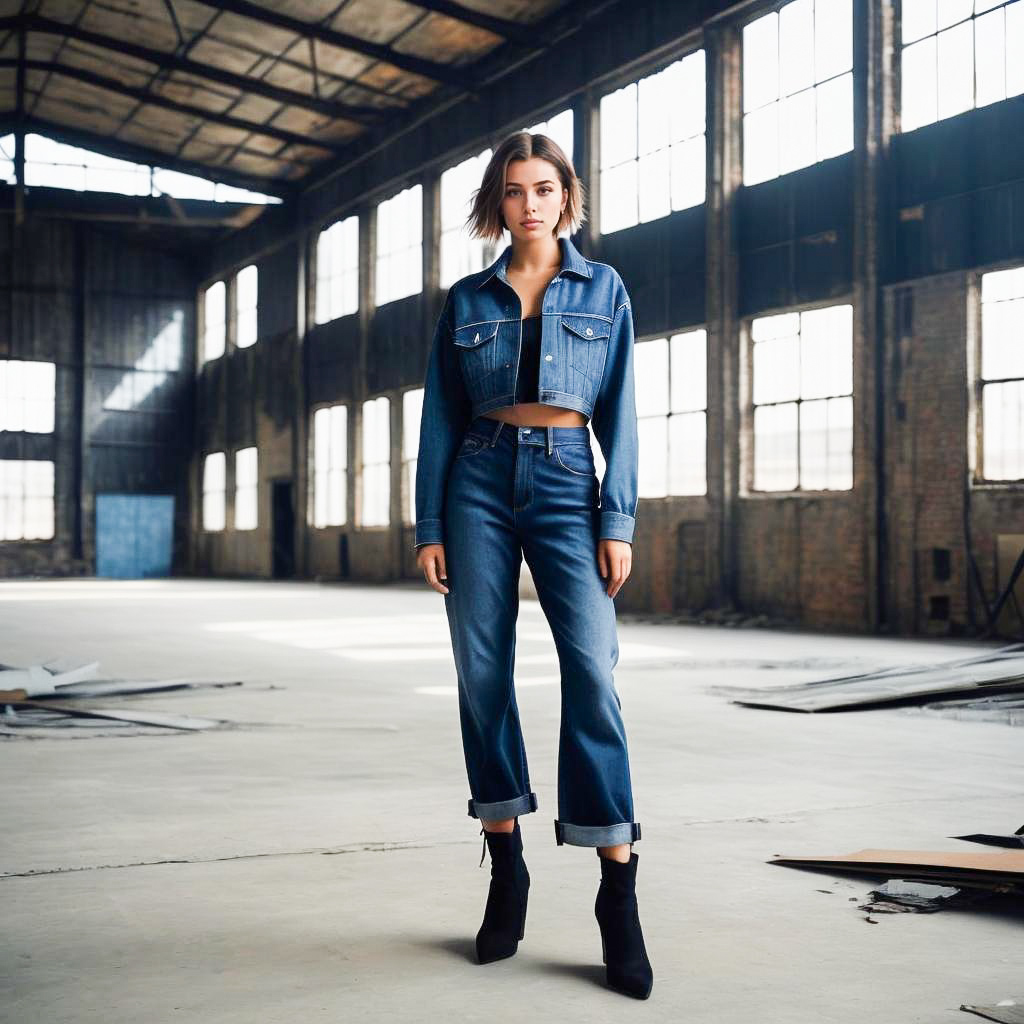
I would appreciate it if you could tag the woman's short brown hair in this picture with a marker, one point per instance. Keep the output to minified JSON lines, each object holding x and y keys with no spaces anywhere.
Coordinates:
{"x":485,"y":219}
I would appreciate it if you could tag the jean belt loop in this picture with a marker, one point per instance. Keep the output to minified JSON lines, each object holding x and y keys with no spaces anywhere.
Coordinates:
{"x":497,"y":431}
{"x":550,"y":432}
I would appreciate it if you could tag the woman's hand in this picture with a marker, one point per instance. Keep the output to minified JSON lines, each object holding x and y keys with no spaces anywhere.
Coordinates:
{"x":430,"y":558}
{"x":614,"y":560}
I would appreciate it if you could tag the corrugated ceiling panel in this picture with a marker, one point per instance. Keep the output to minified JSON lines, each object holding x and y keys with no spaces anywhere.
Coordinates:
{"x":125,"y":69}
{"x":446,"y":41}
{"x":195,"y":92}
{"x":133,"y":24}
{"x":334,"y":60}
{"x":237,"y":30}
{"x":380,"y":21}
{"x":255,"y":108}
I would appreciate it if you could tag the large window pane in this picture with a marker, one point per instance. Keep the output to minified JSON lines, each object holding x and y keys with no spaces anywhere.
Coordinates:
{"x":27,"y":395}
{"x":26,"y":499}
{"x":1002,"y":375}
{"x":214,"y":318}
{"x":802,"y":366}
{"x":399,"y":245}
{"x":653,"y":145}
{"x":797,"y":87}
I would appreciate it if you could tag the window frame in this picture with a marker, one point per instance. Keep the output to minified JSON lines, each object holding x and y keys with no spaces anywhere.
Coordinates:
{"x":976,"y":385}
{"x":746,"y":453}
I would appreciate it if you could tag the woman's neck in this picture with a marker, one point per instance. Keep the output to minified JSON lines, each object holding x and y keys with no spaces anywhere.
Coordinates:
{"x":535,"y":256}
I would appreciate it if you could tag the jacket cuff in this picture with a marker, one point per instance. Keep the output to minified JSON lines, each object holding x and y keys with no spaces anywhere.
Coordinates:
{"x":429,"y":531}
{"x":616,"y":526}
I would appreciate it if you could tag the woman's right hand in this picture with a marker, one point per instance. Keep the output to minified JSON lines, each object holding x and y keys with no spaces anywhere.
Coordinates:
{"x":430,"y":558}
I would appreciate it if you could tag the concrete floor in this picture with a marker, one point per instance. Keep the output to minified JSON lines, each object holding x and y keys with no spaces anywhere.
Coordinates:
{"x":314,"y":862}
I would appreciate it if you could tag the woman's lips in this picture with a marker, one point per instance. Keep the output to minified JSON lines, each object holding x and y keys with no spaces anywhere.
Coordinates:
{"x":531,"y":223}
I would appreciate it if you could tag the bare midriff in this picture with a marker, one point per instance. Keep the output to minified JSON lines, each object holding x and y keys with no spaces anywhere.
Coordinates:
{"x":537,"y":414}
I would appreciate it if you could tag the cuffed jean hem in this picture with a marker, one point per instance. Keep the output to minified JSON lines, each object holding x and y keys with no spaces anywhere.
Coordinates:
{"x":504,"y":808}
{"x":596,"y":835}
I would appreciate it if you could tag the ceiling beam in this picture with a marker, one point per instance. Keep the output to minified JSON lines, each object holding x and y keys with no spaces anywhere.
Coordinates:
{"x":406,"y":62}
{"x":170,"y":62}
{"x":513,"y":31}
{"x":144,"y":210}
{"x":156,"y":100}
{"x":564,"y":23}
{"x":147,"y":155}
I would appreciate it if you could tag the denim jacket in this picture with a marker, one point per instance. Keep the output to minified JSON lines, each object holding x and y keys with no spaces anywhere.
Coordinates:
{"x":586,"y":364}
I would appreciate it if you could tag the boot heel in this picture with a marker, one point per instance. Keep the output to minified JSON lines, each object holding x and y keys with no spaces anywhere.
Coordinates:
{"x":604,"y":951}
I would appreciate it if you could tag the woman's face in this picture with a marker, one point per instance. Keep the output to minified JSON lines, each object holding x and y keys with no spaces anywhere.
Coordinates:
{"x":534,"y":198}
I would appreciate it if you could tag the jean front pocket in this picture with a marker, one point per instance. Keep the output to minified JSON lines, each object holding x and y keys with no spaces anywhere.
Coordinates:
{"x":471,"y":445}
{"x":577,"y":459}
{"x":477,"y":348}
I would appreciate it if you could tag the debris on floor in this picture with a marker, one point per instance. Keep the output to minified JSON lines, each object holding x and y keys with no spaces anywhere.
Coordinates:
{"x":898,"y":896}
{"x":1013,"y":842}
{"x":163,"y":719}
{"x":980,"y":676}
{"x":995,"y":872}
{"x":32,"y":698}
{"x":1006,"y":708}
{"x":1006,"y":1011}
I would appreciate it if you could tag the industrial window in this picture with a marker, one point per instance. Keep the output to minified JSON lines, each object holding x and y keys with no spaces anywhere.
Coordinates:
{"x":27,"y":395}
{"x":330,"y":466}
{"x":797,"y":87}
{"x":1002,"y":375}
{"x":653,"y":145}
{"x":412,"y":412}
{"x":213,"y":491}
{"x":376,"y":462}
{"x":460,"y":254}
{"x":246,"y":303}
{"x":7,"y":159}
{"x":671,"y":408}
{"x":56,"y":165}
{"x":214,"y":317}
{"x":246,"y":489}
{"x":958,"y":54}
{"x":558,"y":128}
{"x":802,"y":374}
{"x":400,"y":245}
{"x":26,"y":499}
{"x":337,"y":270}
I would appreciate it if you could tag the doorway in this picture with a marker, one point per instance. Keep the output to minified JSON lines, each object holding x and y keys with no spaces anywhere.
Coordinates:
{"x":282,"y":532}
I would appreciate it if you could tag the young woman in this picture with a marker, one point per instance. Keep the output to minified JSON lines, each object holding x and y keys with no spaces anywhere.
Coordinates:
{"x":524,"y":353}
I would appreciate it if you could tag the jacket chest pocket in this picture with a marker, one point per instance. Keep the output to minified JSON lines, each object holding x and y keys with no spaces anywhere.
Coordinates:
{"x":477,"y":349}
{"x":587,"y":340}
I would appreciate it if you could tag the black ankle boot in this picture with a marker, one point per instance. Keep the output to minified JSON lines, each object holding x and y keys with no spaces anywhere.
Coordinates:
{"x":622,"y":942}
{"x":504,"y":921}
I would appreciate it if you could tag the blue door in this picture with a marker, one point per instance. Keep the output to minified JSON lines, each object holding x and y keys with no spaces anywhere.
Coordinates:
{"x":134,"y":535}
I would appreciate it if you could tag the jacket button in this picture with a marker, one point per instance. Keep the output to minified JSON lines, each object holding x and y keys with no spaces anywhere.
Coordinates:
{"x":589,"y":331}
{"x":548,"y":358}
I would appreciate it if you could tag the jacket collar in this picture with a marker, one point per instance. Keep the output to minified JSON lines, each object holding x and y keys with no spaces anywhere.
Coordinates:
{"x":572,"y":263}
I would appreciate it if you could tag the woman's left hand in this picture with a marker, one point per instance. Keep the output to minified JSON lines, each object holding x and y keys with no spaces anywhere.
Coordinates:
{"x":614,"y":560}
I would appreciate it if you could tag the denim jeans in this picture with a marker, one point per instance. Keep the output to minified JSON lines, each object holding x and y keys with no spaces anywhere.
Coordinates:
{"x":532,"y":492}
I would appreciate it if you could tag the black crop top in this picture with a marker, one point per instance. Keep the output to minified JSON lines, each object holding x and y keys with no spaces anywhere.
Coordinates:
{"x":529,"y":361}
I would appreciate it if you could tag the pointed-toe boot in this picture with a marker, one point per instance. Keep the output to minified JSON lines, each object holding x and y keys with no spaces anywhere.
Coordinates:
{"x":622,"y":942}
{"x":504,"y":921}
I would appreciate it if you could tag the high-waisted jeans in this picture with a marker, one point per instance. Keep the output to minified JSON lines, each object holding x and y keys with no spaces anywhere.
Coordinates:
{"x":532,"y":492}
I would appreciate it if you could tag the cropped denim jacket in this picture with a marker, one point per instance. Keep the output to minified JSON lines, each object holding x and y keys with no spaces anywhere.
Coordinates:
{"x":586,"y":363}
